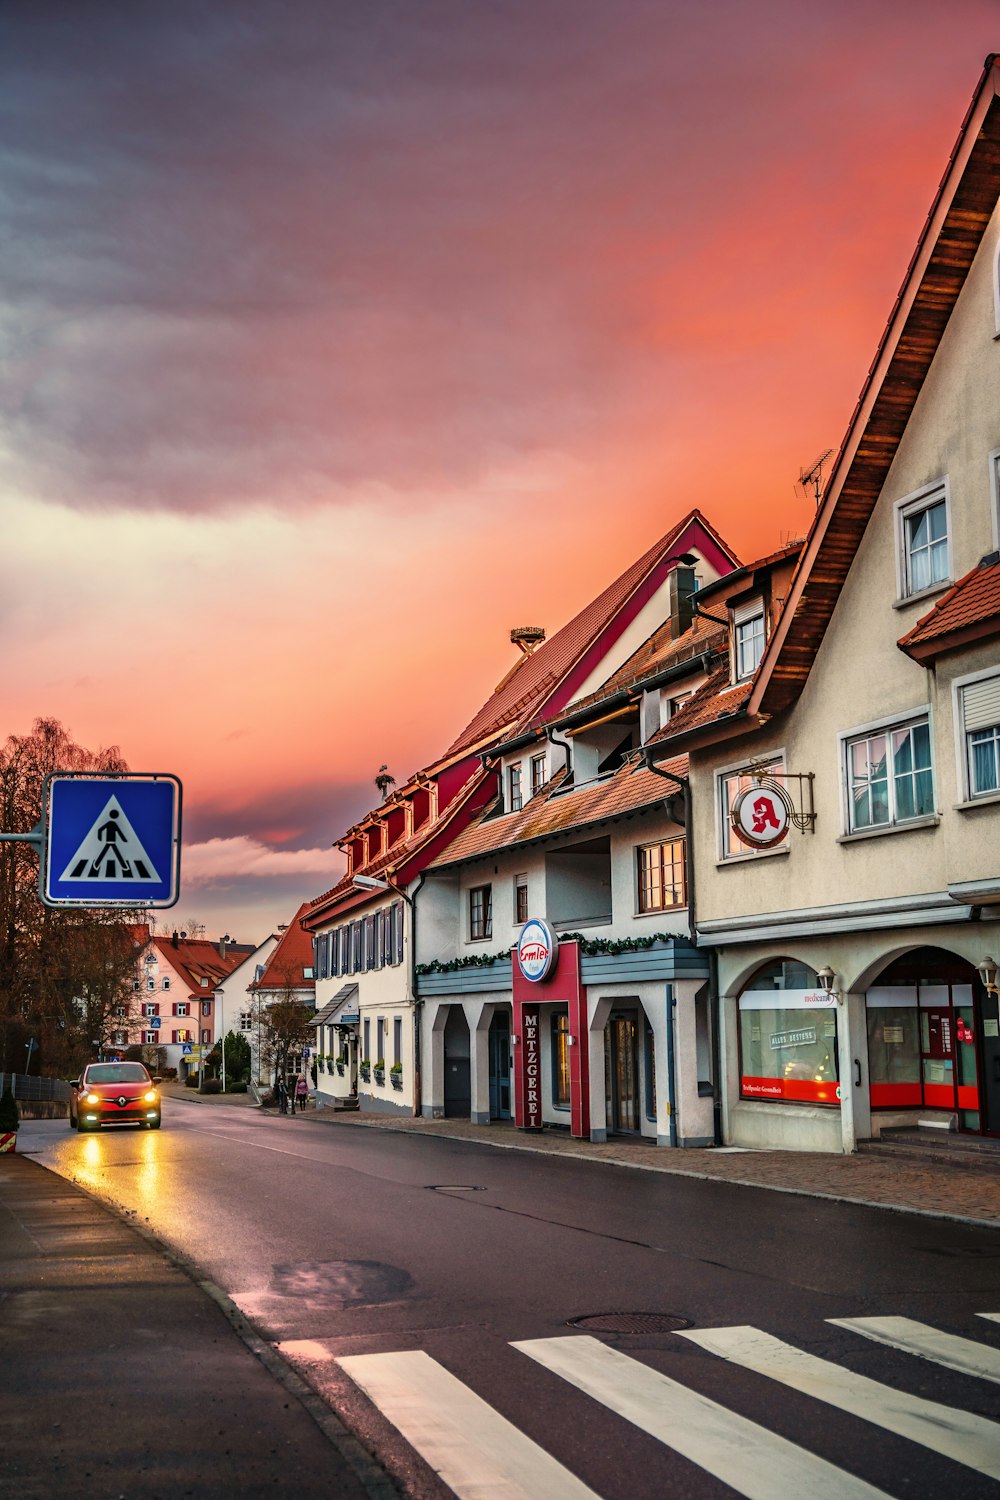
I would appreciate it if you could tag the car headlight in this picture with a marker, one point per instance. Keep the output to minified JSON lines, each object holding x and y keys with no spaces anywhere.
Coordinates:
{"x":91,"y":1098}
{"x":151,"y":1097}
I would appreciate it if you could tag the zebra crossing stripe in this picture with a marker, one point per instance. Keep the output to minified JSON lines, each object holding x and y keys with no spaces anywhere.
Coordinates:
{"x":752,"y":1461}
{"x":993,"y":1317}
{"x":964,"y":1355}
{"x":968,"y":1439}
{"x":475,"y":1450}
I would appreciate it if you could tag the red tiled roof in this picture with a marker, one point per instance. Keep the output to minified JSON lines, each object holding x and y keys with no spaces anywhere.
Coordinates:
{"x":554,"y":811}
{"x":716,"y":699}
{"x":523,"y":693}
{"x":289,"y":959}
{"x":198,"y":958}
{"x":968,"y":612}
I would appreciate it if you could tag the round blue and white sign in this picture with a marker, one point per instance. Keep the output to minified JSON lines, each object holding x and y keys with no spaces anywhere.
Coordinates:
{"x":537,"y":950}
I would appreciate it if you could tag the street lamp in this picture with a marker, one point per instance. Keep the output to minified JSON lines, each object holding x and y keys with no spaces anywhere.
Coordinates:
{"x":370,"y":883}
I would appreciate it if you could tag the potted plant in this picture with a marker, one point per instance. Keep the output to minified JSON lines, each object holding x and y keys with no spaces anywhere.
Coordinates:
{"x":10,"y":1118}
{"x":341,"y":1063}
{"x":396,"y":1075}
{"x":365,"y":1069}
{"x":380,"y":1070}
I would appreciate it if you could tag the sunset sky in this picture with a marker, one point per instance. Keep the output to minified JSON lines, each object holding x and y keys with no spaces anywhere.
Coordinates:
{"x":342,"y":335}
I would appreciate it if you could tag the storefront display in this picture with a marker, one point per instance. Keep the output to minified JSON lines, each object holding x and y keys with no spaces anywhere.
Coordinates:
{"x":788,"y":1037}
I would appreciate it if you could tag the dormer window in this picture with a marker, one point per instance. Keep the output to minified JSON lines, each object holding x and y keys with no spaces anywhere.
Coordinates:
{"x":748,"y":638}
{"x":514,"y":800}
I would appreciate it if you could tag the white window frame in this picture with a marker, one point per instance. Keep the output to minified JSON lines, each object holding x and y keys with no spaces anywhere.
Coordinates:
{"x":745,"y":615}
{"x":884,"y":725}
{"x":966,"y":797}
{"x":486,"y":935}
{"x":515,"y":774}
{"x":165,"y":982}
{"x":150,"y":1038}
{"x":536,"y":783}
{"x":775,"y":758}
{"x":920,"y":500}
{"x":995,"y":496}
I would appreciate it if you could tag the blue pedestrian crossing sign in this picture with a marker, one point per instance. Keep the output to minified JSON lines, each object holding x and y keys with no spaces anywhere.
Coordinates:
{"x":112,"y":841}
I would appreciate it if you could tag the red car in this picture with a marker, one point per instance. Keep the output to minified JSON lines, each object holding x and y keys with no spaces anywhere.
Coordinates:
{"x":114,"y":1093}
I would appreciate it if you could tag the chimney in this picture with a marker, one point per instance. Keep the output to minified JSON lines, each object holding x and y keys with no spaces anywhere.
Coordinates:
{"x":174,"y":938}
{"x":681,"y":594}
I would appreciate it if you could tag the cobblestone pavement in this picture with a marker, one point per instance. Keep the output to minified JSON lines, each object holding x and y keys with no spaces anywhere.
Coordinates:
{"x":938,"y":1189}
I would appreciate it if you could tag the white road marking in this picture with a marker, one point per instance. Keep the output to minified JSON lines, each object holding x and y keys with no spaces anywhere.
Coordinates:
{"x":968,"y":1439}
{"x":475,"y":1450}
{"x":964,"y":1355}
{"x":993,"y":1317}
{"x":754,"y":1462}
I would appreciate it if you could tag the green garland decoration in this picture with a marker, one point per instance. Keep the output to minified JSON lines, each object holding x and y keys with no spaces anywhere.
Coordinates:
{"x":589,"y":946}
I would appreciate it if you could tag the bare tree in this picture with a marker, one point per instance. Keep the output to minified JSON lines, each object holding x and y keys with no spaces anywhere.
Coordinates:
{"x":285,"y":1024}
{"x":63,"y":972}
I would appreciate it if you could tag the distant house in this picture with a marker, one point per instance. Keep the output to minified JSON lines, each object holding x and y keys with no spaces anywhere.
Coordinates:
{"x":174,"y":999}
{"x":287,"y":974}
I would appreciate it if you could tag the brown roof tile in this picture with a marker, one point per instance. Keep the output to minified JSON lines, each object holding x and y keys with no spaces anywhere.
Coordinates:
{"x":555,"y":811}
{"x":523,"y":694}
{"x":292,"y":955}
{"x":970,"y":611}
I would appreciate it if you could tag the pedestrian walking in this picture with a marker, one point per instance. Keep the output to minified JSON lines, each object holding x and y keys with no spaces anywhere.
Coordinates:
{"x":301,"y":1092}
{"x":282,"y":1091}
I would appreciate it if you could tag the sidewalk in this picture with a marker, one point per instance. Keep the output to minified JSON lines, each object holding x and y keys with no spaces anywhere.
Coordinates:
{"x":121,"y":1378}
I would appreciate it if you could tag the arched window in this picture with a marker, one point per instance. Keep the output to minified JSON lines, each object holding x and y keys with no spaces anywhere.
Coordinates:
{"x":788,"y":1036}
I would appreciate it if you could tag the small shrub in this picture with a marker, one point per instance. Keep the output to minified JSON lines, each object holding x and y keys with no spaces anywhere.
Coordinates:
{"x":212,"y":1086}
{"x":191,"y":1081}
{"x":236,"y":1088}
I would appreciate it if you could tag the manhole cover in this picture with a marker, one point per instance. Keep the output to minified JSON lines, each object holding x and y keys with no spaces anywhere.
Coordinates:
{"x":453,"y":1187}
{"x":630,"y":1322}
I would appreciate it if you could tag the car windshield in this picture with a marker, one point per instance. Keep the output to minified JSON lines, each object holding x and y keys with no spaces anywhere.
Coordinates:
{"x":117,"y":1073}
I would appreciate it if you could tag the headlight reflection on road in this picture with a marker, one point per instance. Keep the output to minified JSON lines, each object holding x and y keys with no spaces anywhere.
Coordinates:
{"x":98,"y":1157}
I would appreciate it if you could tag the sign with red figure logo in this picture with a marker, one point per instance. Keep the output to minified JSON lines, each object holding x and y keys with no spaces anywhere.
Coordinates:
{"x":761,"y":816}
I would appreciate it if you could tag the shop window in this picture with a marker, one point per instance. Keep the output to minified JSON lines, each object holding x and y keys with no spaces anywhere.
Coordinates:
{"x":660,"y":875}
{"x":922,"y":540}
{"x":889,"y":776}
{"x":788,"y":1037}
{"x":980,"y":719}
{"x":730,"y":786}
{"x":560,"y":1060}
{"x":537,"y":773}
{"x":514,"y":788}
{"x":480,"y":913}
{"x":893,"y":1046}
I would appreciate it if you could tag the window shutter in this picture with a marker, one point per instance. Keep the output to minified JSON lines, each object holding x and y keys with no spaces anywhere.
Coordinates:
{"x":981,"y":704}
{"x":744,"y":612}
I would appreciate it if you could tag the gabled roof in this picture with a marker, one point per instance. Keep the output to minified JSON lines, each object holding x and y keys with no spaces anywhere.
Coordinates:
{"x":285,"y":969}
{"x":195,"y":959}
{"x":967,"y":613}
{"x":552,"y":811}
{"x":934,"y":279}
{"x":524,"y":695}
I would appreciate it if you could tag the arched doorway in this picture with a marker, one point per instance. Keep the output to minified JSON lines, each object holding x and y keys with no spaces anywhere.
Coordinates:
{"x":934,"y":1040}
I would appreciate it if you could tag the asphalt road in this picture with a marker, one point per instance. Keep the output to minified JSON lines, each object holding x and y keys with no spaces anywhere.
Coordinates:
{"x":339,"y":1242}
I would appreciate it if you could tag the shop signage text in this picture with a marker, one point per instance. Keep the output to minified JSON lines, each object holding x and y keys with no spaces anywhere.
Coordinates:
{"x":537,"y":950}
{"x":532,"y":1091}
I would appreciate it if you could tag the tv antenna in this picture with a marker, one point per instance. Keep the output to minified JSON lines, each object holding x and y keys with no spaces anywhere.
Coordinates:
{"x":813,"y":476}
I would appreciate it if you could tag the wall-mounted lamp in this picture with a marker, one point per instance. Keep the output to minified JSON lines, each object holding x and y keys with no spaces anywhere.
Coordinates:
{"x":988,"y":973}
{"x":826,"y":979}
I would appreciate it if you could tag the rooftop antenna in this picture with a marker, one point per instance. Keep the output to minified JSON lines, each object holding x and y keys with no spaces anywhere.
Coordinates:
{"x":814,"y":476}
